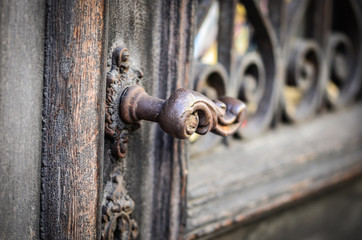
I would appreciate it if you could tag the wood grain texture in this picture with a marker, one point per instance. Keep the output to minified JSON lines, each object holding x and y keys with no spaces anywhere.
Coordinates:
{"x":333,"y":215}
{"x":73,"y":118}
{"x":269,"y":173}
{"x":169,"y":212}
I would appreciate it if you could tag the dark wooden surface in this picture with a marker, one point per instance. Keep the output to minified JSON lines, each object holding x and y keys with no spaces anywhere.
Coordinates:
{"x":273,"y":171}
{"x":158,"y":35}
{"x":333,"y":215}
{"x":21,"y":83}
{"x":73,"y":115}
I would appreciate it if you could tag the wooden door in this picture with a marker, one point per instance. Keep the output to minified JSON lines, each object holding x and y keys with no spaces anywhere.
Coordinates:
{"x":78,"y":170}
{"x":60,"y":175}
{"x":55,"y":164}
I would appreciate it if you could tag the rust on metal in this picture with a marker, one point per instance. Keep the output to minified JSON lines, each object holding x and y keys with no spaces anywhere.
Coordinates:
{"x":117,"y":222}
{"x":120,"y":74}
{"x":184,"y":113}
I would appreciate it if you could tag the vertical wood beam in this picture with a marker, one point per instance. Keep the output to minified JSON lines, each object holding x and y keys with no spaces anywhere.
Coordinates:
{"x":73,"y":119}
{"x":159,"y":36}
{"x":176,"y":36}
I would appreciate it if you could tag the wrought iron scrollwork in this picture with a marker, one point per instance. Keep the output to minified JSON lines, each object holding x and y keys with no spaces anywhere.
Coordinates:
{"x":341,"y":85}
{"x":264,"y":57}
{"x":344,"y":54}
{"x":251,"y":80}
{"x":302,"y":80}
{"x":301,"y":57}
{"x":252,"y":74}
{"x":211,"y":81}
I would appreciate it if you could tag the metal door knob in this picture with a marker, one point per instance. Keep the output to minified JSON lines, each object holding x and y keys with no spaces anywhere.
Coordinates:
{"x":184,"y":112}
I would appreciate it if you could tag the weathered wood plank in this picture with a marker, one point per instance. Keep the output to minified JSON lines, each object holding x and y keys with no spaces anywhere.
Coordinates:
{"x":265,"y":174}
{"x":335,"y":214}
{"x":21,"y":84}
{"x":169,"y":212}
{"x":73,"y":118}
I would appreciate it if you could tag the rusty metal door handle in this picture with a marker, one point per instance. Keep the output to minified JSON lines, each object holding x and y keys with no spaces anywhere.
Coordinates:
{"x":184,"y":113}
